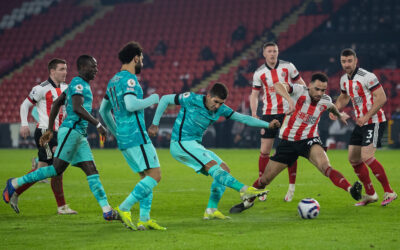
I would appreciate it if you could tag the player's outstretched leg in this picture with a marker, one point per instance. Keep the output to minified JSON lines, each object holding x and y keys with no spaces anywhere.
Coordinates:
{"x":14,"y":183}
{"x":226,"y":179}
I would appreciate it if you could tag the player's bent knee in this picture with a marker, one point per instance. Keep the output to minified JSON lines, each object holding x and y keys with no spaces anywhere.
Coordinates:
{"x":210,"y":165}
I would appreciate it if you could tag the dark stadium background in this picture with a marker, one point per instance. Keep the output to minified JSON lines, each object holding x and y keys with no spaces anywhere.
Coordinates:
{"x":191,"y":43}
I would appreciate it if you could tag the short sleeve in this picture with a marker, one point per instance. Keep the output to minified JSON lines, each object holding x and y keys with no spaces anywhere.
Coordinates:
{"x":185,"y":99}
{"x":128,"y":86}
{"x":371,"y":82}
{"x":226,"y":111}
{"x":36,"y":94}
{"x":342,"y":85}
{"x":76,"y":88}
{"x":257,"y":84}
{"x":294,"y":74}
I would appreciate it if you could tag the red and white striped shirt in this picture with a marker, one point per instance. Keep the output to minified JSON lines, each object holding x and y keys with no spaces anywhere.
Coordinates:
{"x":360,"y":87}
{"x":43,"y":96}
{"x":266,"y":77}
{"x":303,"y":123}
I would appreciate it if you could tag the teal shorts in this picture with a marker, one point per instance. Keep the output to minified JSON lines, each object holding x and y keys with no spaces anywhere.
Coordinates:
{"x":73,"y":147}
{"x":193,"y":154}
{"x":141,"y":158}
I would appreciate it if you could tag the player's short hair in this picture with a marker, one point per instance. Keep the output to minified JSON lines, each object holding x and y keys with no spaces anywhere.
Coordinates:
{"x":82,"y":61}
{"x":219,"y":90}
{"x":348,"y":52}
{"x":319,"y":76}
{"x":54,"y":62}
{"x":267,"y":44}
{"x":129,"y":51}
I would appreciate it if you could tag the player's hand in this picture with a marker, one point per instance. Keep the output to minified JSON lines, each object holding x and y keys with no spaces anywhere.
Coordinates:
{"x":24,"y":131}
{"x":46,"y":137}
{"x":274,"y":124}
{"x":291,"y":107}
{"x":255,"y":116}
{"x":332,"y":117}
{"x":343,"y":117}
{"x":361,"y":121}
{"x":102,"y":132}
{"x":153,"y":130}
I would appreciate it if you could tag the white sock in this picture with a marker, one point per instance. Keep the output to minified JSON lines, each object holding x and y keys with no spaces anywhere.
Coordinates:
{"x":106,"y":209}
{"x":14,"y":183}
{"x":244,"y":188}
{"x":292,"y":187}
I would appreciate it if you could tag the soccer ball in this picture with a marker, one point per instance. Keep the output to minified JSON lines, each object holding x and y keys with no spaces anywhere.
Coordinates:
{"x":308,"y":208}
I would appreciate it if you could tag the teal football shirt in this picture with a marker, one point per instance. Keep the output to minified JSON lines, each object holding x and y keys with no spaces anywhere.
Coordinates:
{"x":194,"y":118}
{"x":78,"y":86}
{"x":131,"y":129}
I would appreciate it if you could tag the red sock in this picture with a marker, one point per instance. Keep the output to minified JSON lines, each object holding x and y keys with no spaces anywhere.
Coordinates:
{"x":24,"y":187}
{"x":262,"y":163}
{"x":337,"y":178}
{"x":363,"y":174}
{"x":379,"y":173}
{"x":57,"y":187}
{"x":292,"y":170}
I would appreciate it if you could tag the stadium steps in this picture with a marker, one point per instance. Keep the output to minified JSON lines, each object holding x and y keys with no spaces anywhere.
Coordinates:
{"x":276,"y":30}
{"x":99,"y":13}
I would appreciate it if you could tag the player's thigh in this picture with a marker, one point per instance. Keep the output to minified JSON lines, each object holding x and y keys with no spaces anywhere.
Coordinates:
{"x":141,"y":158}
{"x":367,"y":152}
{"x":319,"y":158}
{"x":272,"y":169}
{"x":192,"y":154}
{"x":354,"y":154}
{"x":83,"y":152}
{"x":69,"y":140}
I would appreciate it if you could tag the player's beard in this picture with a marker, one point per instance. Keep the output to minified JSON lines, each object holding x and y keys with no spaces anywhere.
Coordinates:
{"x":138,"y":69}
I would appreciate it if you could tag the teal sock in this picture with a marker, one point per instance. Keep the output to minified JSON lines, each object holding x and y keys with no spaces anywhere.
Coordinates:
{"x":40,"y":174}
{"x":141,"y":191}
{"x":145,"y":207}
{"x":97,"y":189}
{"x":225,"y":178}
{"x":217,"y":190}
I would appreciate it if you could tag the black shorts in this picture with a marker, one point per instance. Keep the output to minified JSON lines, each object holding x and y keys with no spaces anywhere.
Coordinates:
{"x":45,"y":153}
{"x":271,"y":133}
{"x":367,"y":134}
{"x":287,"y":152}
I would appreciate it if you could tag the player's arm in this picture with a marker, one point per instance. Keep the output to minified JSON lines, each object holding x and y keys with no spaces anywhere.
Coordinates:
{"x":164,"y":102}
{"x":23,"y":113}
{"x":55,"y":108}
{"x":254,"y":101}
{"x":254,"y":122}
{"x":283,"y":90}
{"x":379,"y":99}
{"x":341,"y":102}
{"x":105,"y":112}
{"x":342,"y":116}
{"x":300,"y":81}
{"x":132,"y":103}
{"x":77,"y":107}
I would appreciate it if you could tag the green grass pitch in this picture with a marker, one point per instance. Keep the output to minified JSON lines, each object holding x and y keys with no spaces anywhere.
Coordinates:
{"x":179,"y":203}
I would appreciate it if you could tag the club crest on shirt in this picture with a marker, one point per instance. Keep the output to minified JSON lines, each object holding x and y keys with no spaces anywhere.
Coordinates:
{"x":356,"y":87}
{"x":79,"y":87}
{"x":131,"y":83}
{"x":283,"y":74}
